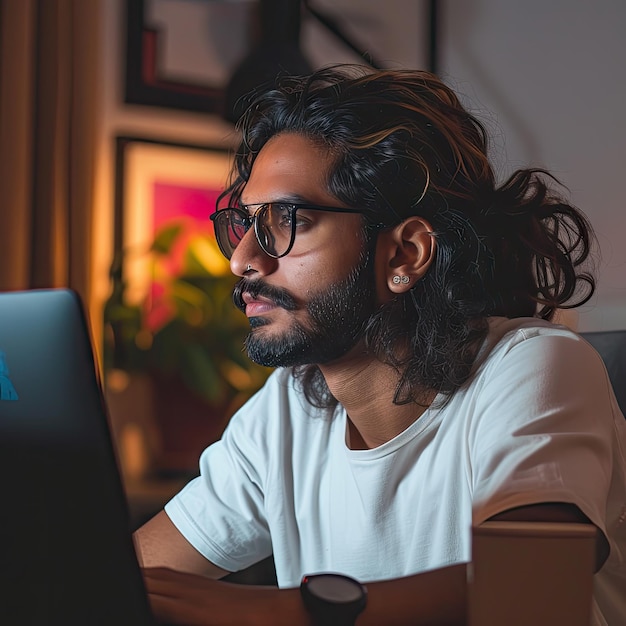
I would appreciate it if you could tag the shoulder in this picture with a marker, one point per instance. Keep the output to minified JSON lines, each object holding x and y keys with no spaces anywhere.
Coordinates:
{"x":505,"y":331}
{"x":531,"y":368}
{"x":535,"y":343}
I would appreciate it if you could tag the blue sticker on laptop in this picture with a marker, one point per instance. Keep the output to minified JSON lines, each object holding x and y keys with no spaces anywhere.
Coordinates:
{"x":7,"y":390}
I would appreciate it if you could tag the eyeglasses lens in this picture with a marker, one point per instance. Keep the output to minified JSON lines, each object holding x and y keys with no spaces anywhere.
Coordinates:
{"x":229,"y":230}
{"x":273,"y":223}
{"x":273,"y":229}
{"x":236,"y":229}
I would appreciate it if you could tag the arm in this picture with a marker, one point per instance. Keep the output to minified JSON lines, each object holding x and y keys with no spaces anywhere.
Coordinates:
{"x":437,"y":597}
{"x":434,"y":597}
{"x":544,"y":431}
{"x":181,"y":590}
{"x":159,"y":543}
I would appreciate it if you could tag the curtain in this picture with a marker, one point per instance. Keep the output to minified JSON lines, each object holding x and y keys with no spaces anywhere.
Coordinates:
{"x":49,"y":67}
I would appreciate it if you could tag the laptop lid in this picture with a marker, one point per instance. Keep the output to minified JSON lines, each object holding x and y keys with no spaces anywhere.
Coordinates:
{"x":67,"y":555}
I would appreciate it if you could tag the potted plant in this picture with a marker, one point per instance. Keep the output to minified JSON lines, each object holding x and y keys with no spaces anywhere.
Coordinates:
{"x":186,"y":338}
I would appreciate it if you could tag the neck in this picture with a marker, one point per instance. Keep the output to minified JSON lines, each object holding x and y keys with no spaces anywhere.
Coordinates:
{"x":366,"y":388}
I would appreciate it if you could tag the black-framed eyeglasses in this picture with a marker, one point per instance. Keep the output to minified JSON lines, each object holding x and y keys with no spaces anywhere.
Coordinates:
{"x":275,"y":225}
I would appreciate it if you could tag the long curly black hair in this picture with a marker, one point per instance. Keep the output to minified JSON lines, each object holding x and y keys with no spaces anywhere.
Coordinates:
{"x":404,"y":145}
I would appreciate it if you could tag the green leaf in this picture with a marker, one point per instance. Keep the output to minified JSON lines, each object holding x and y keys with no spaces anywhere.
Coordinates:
{"x":165,"y":238}
{"x":200,"y":373}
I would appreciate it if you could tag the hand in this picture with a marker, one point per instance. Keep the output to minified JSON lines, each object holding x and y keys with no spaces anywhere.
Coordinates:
{"x":181,"y":598}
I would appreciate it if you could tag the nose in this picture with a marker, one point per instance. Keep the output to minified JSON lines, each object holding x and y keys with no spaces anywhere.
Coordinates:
{"x":250,"y":254}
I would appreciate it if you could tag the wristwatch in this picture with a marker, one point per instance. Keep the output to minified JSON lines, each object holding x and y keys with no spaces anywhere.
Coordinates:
{"x":333,"y":599}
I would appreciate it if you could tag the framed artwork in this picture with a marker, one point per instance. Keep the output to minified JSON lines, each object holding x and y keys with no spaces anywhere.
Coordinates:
{"x":173,"y":340}
{"x":182,"y":54}
{"x":158,"y":184}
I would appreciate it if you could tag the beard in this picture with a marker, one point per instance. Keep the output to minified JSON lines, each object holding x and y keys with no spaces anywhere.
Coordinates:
{"x":337,"y":319}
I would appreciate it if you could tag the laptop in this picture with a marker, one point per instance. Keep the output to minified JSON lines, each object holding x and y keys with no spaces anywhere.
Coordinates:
{"x":66,"y":553}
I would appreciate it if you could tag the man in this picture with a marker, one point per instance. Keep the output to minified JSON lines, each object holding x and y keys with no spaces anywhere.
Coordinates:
{"x":404,"y":298}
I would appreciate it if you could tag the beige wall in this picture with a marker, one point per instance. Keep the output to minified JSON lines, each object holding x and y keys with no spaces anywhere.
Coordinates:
{"x":549,"y":77}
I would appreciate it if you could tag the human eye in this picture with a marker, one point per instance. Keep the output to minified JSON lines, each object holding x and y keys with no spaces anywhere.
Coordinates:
{"x":280,"y":216}
{"x":301,"y":220}
{"x":289,"y":215}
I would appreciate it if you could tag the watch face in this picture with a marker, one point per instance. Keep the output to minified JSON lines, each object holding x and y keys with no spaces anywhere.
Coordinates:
{"x":333,"y":599}
{"x":335,"y":588}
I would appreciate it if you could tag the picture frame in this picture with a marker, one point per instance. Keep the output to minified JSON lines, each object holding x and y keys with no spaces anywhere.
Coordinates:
{"x":182,"y":54}
{"x":157,"y":181}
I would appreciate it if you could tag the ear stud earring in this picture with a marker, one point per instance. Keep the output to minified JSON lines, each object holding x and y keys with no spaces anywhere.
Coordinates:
{"x":405,"y":280}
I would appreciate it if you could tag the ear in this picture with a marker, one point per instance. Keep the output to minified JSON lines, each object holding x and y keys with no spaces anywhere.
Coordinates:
{"x":408,"y":251}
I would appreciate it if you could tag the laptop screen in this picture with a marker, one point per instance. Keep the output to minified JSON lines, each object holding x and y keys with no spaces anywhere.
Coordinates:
{"x":67,"y":555}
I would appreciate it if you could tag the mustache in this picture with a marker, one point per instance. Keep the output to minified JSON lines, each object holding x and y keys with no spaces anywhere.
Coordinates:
{"x":257,"y":288}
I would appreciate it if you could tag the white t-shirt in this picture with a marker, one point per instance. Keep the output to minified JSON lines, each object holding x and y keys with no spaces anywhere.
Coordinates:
{"x":536,"y":423}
